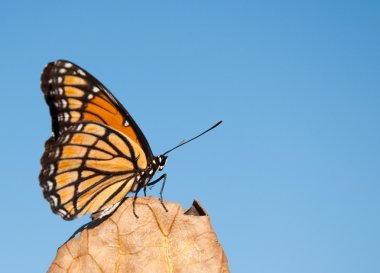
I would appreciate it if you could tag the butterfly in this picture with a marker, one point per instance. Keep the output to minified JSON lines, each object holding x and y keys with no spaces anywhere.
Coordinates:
{"x":97,"y":153}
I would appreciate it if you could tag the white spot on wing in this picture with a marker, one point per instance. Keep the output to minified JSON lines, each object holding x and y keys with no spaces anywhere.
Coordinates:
{"x":60,"y":79}
{"x":66,"y":116}
{"x":49,"y":185}
{"x":62,"y":70}
{"x":80,"y":126}
{"x":68,"y":65}
{"x":61,"y":212}
{"x":53,"y":200}
{"x":95,"y":89}
{"x":65,"y":139}
{"x":80,"y":71}
{"x":60,"y":90}
{"x":90,"y":96}
{"x":51,"y":169}
{"x":126,"y":123}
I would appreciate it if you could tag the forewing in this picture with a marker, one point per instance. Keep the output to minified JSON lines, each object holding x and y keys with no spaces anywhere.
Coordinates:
{"x":74,"y":95}
{"x":88,"y":168}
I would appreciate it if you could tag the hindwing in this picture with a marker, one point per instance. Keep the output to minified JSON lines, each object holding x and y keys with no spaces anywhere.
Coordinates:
{"x":88,"y":168}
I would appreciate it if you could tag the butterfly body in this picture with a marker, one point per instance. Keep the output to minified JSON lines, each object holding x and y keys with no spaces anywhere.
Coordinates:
{"x":97,"y":153}
{"x":144,"y":176}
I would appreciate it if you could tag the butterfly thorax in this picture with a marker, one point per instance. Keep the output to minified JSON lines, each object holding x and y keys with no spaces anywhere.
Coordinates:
{"x":145,"y":175}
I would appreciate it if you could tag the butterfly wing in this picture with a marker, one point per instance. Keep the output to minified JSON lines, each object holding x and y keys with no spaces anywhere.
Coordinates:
{"x":74,"y":95}
{"x":88,"y":168}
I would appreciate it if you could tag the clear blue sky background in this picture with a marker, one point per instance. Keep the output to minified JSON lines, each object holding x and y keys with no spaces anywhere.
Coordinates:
{"x":292,"y":177}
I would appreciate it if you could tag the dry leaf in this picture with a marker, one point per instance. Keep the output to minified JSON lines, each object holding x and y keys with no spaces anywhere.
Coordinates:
{"x":157,"y":241}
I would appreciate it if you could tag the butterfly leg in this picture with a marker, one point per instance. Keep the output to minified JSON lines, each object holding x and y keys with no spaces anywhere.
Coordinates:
{"x":162,"y":188}
{"x":134,"y":204}
{"x":145,"y":190}
{"x":157,"y":180}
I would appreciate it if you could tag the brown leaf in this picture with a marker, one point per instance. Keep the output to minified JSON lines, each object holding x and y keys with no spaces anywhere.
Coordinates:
{"x":157,"y":241}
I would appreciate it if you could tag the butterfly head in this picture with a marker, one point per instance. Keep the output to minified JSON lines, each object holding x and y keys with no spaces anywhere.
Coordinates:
{"x":161,"y":161}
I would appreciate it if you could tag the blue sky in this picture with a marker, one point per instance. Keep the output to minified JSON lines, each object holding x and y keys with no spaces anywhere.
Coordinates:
{"x":292,"y":177}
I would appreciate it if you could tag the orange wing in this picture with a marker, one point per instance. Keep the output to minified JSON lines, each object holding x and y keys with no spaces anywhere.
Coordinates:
{"x":89,"y":168}
{"x":74,"y":95}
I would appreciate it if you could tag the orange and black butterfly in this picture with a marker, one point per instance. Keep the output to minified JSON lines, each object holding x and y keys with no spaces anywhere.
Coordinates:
{"x":97,"y":154}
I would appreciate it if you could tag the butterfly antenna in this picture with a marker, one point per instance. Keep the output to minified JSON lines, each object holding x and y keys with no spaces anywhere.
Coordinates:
{"x":187,"y":141}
